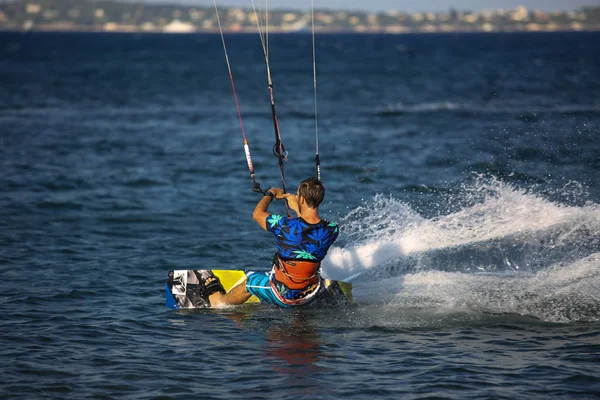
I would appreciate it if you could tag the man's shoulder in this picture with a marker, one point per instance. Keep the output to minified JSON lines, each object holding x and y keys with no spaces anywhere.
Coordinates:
{"x":329,"y":223}
{"x":331,"y":226}
{"x":274,"y":220}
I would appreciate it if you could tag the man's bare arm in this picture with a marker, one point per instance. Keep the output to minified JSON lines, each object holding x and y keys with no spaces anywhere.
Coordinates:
{"x":261,"y":212}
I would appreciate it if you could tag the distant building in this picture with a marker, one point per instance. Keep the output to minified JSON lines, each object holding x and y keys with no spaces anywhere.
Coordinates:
{"x":520,"y":14}
{"x":196,"y":15}
{"x":289,"y":17}
{"x":176,"y":26}
{"x":148,"y":27}
{"x":33,"y":8}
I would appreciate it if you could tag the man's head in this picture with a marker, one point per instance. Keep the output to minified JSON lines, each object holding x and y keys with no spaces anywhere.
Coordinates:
{"x":313,"y":192}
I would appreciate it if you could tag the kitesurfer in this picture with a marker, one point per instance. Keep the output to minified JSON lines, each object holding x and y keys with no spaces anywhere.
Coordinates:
{"x":302,"y":243}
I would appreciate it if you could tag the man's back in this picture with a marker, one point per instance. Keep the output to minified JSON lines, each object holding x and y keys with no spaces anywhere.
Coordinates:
{"x":297,"y":239}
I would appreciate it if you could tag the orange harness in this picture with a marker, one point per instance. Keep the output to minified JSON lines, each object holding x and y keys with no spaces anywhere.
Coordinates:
{"x":296,"y":274}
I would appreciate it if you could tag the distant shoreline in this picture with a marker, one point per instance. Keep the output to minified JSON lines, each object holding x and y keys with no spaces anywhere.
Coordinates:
{"x":285,"y":32}
{"x":119,"y":16}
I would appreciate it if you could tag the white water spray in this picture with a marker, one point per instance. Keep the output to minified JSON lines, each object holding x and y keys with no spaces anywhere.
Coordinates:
{"x":508,"y":251}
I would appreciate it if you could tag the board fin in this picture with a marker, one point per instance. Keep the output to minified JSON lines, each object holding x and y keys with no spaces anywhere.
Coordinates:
{"x":170,"y":301}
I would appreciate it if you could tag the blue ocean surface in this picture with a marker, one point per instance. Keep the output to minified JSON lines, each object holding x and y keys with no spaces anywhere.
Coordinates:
{"x":463,"y":170}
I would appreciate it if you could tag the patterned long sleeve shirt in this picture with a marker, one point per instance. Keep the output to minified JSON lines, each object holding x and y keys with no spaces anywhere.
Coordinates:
{"x":296,"y":239}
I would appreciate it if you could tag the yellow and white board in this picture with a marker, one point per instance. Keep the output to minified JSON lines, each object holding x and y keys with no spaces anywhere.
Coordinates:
{"x":180,"y":293}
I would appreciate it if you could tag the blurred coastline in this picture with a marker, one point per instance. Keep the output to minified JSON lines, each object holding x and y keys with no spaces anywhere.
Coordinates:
{"x":119,"y":16}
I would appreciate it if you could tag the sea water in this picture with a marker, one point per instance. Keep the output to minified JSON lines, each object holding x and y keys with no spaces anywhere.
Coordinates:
{"x":462,"y":168}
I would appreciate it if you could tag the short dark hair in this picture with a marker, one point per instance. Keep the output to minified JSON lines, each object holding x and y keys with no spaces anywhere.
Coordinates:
{"x":312,"y":190}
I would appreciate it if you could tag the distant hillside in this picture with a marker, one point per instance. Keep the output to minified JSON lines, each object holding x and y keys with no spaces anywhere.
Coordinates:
{"x":106,"y":15}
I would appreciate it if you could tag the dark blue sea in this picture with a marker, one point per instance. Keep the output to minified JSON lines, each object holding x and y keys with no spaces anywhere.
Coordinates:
{"x":463,"y":169}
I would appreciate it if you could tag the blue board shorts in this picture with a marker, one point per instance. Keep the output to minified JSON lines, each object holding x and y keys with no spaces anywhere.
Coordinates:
{"x":259,"y":284}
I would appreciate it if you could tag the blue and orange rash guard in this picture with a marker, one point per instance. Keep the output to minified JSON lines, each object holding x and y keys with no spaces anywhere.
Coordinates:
{"x":296,"y":239}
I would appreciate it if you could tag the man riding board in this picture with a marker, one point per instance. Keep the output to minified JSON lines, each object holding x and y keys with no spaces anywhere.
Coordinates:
{"x":302,"y":243}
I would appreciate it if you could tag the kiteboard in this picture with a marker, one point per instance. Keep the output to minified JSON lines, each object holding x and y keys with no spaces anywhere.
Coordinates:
{"x":183,"y":289}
